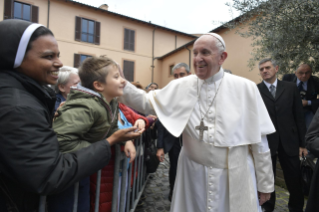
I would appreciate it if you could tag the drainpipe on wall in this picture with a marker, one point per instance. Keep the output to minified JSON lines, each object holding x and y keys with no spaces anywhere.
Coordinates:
{"x":153,"y":58}
{"x":48,"y":20}
{"x":189,"y":59}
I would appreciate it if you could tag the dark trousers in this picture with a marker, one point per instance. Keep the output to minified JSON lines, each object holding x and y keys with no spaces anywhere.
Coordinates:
{"x":3,"y":205}
{"x":64,"y":201}
{"x":291,"y":168}
{"x":173,"y":158}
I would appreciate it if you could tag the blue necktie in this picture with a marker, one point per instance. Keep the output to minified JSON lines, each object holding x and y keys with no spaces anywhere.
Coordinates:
{"x":300,"y":86}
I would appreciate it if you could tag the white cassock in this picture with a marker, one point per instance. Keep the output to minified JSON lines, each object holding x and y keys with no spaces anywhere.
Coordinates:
{"x":223,"y":171}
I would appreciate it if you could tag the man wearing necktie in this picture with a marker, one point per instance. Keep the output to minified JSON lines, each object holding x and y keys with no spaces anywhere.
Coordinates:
{"x":308,"y":86}
{"x":283,"y":102}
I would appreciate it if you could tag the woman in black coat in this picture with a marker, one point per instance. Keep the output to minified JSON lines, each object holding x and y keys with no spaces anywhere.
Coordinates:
{"x":30,"y":162}
{"x":312,"y":140}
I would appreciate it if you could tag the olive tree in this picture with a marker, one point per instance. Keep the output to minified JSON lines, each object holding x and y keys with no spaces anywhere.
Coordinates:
{"x":286,"y":30}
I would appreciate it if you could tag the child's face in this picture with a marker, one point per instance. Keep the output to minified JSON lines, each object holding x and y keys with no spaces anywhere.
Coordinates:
{"x":114,"y":84}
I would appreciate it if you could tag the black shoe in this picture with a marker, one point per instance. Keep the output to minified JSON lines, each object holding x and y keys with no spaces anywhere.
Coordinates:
{"x":265,"y":210}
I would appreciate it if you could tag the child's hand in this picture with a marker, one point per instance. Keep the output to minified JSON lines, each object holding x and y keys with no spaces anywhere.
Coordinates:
{"x":130,"y":150}
{"x":140,"y":124}
{"x":124,"y":135}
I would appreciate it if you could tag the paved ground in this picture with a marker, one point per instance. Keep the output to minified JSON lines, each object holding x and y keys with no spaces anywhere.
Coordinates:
{"x":155,"y":196}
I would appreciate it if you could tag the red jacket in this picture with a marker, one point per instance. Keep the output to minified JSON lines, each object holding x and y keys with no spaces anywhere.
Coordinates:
{"x":131,"y":116}
{"x":107,"y":175}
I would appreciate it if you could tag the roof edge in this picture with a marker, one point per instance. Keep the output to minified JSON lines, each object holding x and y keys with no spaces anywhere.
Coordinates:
{"x":133,"y":19}
{"x":176,"y":50}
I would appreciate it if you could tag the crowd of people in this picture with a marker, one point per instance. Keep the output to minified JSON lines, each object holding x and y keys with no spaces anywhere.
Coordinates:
{"x":223,"y":148}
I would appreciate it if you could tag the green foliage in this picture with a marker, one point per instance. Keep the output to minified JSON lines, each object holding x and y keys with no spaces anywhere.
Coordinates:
{"x":286,"y":30}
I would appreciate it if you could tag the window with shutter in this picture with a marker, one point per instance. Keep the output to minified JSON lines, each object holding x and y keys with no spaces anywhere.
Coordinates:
{"x":8,"y":7}
{"x":128,"y":70}
{"x":79,"y":58}
{"x":171,"y":69}
{"x":20,"y":10}
{"x":97,"y":33}
{"x":87,"y":30}
{"x":129,"y":39}
{"x":34,"y":14}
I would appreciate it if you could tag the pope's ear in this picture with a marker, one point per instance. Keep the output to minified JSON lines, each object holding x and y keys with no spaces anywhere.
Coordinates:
{"x":98,"y":86}
{"x":223,"y":57}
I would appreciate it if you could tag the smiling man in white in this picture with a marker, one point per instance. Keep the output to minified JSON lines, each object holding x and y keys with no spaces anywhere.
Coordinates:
{"x":225,"y":163}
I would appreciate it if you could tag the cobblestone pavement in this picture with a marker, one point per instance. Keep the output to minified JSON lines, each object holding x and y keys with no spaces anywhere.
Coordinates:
{"x":155,"y":196}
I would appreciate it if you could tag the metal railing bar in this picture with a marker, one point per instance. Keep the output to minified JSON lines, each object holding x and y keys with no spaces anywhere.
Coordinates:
{"x":76,"y":197}
{"x":129,"y":189}
{"x":97,"y":192}
{"x":116,"y":177}
{"x":139,"y":171}
{"x":126,"y":203}
{"x":142,"y":164}
{"x":135,"y":169}
{"x":139,"y":196}
{"x":42,"y":203}
{"x":123,"y":184}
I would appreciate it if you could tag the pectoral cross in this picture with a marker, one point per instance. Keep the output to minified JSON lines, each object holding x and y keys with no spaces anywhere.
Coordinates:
{"x":201,"y":129}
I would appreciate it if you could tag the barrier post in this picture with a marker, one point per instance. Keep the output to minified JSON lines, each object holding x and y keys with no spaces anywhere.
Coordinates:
{"x":76,"y":197}
{"x":116,"y":176}
{"x":97,"y":192}
{"x":123,"y":183}
{"x":129,"y":189}
{"x":42,"y":202}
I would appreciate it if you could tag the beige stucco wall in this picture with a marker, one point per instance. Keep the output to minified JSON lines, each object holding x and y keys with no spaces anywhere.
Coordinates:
{"x":1,"y":9}
{"x":62,"y":24}
{"x":181,"y":56}
{"x":112,"y":36}
{"x":238,"y":49}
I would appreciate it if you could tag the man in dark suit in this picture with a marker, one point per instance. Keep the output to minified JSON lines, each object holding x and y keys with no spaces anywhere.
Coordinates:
{"x":308,"y":86}
{"x":283,"y":102}
{"x":166,"y":142}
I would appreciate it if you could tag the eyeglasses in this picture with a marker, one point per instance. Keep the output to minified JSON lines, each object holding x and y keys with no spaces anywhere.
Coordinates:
{"x":304,"y":73}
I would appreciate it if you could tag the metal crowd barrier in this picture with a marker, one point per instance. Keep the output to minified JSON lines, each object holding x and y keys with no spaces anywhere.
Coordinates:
{"x":127,"y":200}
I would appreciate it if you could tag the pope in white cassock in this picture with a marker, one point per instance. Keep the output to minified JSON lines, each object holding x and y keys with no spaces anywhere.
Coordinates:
{"x":225,"y":163}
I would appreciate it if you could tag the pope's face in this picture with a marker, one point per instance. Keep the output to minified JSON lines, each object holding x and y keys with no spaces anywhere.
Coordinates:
{"x":42,"y":62}
{"x":207,"y":59}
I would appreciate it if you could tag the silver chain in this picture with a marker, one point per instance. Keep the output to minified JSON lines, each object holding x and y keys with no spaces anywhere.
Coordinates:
{"x":198,"y":93}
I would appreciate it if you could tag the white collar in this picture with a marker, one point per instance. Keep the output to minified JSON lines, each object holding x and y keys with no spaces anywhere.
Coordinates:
{"x":219,"y":75}
{"x":268,"y":84}
{"x":298,"y":81}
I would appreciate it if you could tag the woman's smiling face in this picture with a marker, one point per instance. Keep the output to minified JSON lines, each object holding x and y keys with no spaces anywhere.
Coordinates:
{"x":42,"y":62}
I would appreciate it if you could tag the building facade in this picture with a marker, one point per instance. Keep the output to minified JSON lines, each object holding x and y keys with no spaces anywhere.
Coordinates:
{"x":145,"y":51}
{"x":83,"y":31}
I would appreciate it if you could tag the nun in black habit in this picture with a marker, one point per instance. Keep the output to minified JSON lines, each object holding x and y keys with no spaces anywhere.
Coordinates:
{"x":312,"y":141}
{"x":30,"y":162}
